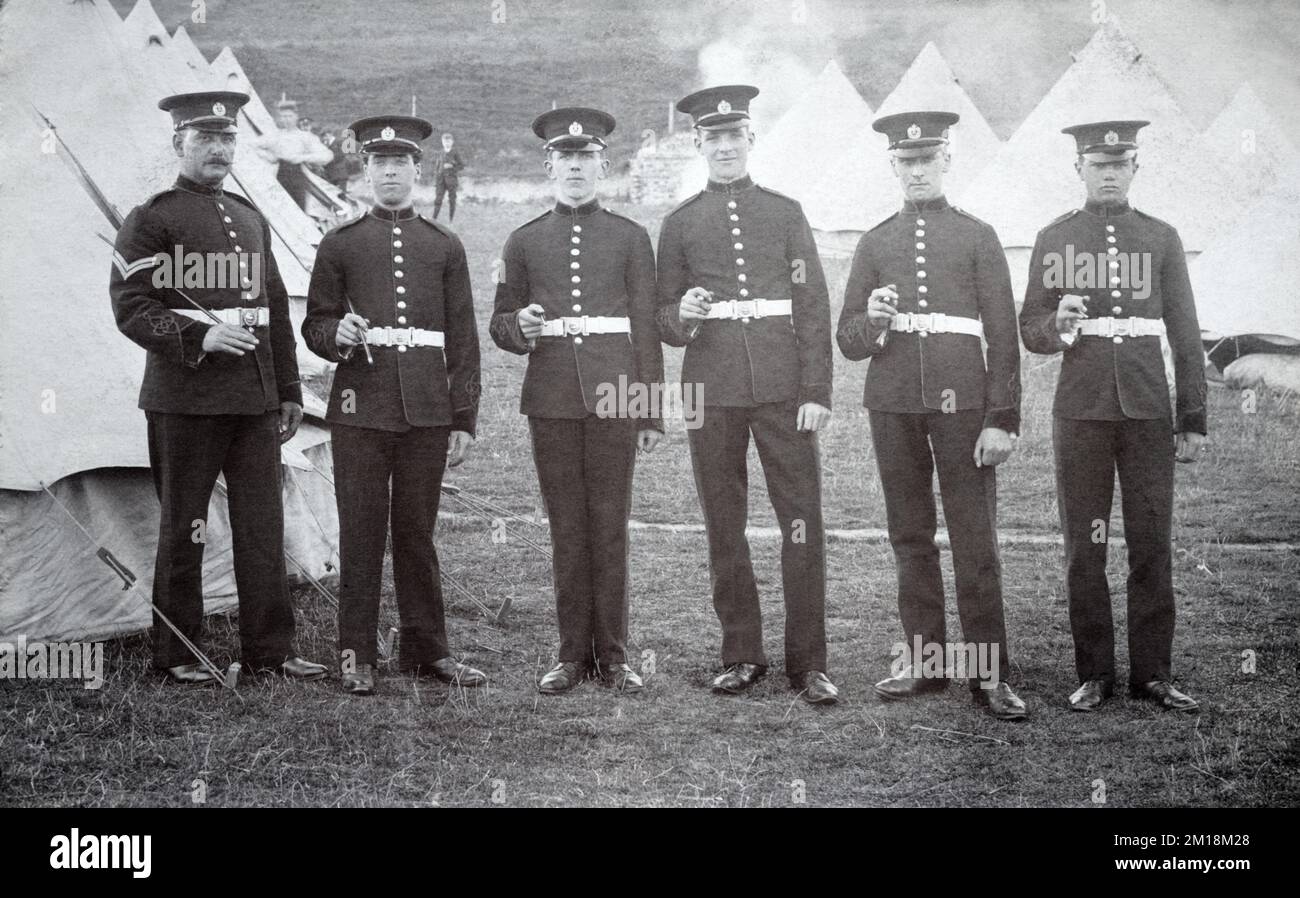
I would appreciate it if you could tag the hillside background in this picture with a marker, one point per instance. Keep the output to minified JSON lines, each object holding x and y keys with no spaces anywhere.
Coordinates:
{"x":484,"y":68}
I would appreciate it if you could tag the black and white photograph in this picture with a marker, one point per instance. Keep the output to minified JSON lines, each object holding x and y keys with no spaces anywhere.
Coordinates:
{"x":691,"y":404}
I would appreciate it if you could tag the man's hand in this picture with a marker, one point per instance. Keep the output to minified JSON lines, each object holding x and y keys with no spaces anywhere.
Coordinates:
{"x":351,"y":331}
{"x":993,"y":447}
{"x":228,"y":338}
{"x":694,"y":305}
{"x":1188,"y":445}
{"x":458,"y":446}
{"x":531,"y":318}
{"x":290,"y":418}
{"x":880,"y":306}
{"x":647,"y":439}
{"x":1068,"y":314}
{"x":812,"y":417}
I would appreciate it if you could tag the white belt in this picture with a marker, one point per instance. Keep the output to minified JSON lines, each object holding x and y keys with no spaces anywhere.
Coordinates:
{"x":581,"y":326}
{"x":935,"y":323}
{"x":403,"y":336}
{"x":255,"y":317}
{"x":745,"y":309}
{"x":1122,"y":327}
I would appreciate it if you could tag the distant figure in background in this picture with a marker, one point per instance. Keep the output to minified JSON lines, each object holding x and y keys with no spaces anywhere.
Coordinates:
{"x":337,"y":171}
{"x":291,"y":147}
{"x":447,"y":177}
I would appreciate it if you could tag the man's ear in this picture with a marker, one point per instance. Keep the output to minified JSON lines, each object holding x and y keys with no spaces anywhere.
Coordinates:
{"x":604,"y":167}
{"x":1078,"y":166}
{"x":550,"y":168}
{"x":749,"y":136}
{"x":947,"y":160}
{"x":178,"y":143}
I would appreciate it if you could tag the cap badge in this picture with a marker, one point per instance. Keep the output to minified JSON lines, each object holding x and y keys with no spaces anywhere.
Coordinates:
{"x":914,"y":131}
{"x":218,"y":109}
{"x":724,"y":107}
{"x":388,"y":134}
{"x":1111,"y":138}
{"x":575,"y":128}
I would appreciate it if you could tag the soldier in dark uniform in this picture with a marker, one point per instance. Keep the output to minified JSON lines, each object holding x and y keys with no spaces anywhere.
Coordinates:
{"x":1112,"y":412}
{"x":741,"y":287}
{"x":925,"y":285}
{"x":577,"y":296}
{"x":219,"y":397}
{"x":390,"y":301}
{"x":447,"y":177}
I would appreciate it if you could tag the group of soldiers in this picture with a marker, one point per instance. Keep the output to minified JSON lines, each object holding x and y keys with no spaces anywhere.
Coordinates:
{"x":736,"y":281}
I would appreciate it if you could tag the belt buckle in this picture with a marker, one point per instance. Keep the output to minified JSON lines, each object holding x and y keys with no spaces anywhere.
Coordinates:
{"x":249,"y":317}
{"x":903,"y":320}
{"x":922,"y":322}
{"x":574,"y":326}
{"x":744,"y":308}
{"x":1123,"y":327}
{"x":400,"y":336}
{"x":1105,"y":327}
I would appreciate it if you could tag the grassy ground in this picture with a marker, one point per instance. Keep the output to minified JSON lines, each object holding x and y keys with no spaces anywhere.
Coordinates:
{"x":137,"y":741}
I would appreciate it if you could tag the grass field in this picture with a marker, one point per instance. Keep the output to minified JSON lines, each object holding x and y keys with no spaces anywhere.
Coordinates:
{"x":137,"y":741}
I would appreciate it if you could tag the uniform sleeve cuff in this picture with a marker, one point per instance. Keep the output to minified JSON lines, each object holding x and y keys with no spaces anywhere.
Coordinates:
{"x":818,"y":393}
{"x":1003,"y":419}
{"x":465,"y":419}
{"x":1191,"y":422}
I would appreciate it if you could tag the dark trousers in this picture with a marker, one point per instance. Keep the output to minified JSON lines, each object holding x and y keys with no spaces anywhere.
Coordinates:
{"x":366,"y":462}
{"x":584,"y":467}
{"x":909,"y":448}
{"x":294,"y":181}
{"x":1088,"y":455}
{"x":186,"y":454}
{"x":792,"y":466}
{"x":441,"y":189}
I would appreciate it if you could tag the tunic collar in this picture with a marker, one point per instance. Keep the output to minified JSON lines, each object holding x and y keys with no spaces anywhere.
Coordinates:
{"x":938,"y":204}
{"x":585,"y":209}
{"x":1106,"y":210}
{"x":742,"y":183}
{"x":406,"y":213}
{"x":184,"y":183}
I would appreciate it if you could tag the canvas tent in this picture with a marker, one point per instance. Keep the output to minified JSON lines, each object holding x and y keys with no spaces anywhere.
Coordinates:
{"x":833,"y":164}
{"x":1032,"y":179}
{"x":929,"y":83}
{"x":68,"y":417}
{"x":1245,"y":283}
{"x":1241,"y":157}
